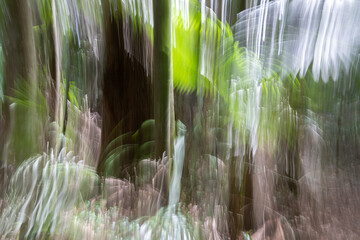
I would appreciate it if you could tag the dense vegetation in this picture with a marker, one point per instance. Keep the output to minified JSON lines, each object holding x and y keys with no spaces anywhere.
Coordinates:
{"x":183,"y":119}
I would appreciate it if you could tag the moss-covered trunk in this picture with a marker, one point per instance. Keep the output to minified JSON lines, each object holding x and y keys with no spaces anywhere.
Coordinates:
{"x":20,"y":73}
{"x":163,"y":88}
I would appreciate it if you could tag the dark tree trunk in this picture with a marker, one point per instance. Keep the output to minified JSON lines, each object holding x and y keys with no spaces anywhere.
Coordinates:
{"x":239,"y":201}
{"x":126,"y":89}
{"x":236,"y":7}
{"x":54,"y":65}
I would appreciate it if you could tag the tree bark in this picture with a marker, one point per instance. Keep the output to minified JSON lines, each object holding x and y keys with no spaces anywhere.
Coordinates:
{"x":126,"y":90}
{"x":20,"y":58}
{"x":239,"y":196}
{"x":236,"y":7}
{"x":54,"y":65}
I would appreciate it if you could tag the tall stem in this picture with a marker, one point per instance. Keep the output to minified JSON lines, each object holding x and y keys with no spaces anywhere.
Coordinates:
{"x":163,"y":90}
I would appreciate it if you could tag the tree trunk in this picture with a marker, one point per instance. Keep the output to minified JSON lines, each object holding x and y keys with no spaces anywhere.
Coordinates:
{"x":162,"y":76}
{"x":236,"y":7}
{"x":54,"y":66}
{"x":19,"y":65}
{"x":126,"y":89}
{"x":18,"y":137}
{"x":239,"y":196}
{"x":20,"y":58}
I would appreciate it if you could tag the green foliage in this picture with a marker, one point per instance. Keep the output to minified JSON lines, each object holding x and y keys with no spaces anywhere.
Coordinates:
{"x":101,"y":224}
{"x":26,"y":138}
{"x":41,"y":189}
{"x":24,"y":96}
{"x":74,"y":94}
{"x":136,"y":146}
{"x":45,"y":11}
{"x":167,"y":223}
{"x":203,"y":53}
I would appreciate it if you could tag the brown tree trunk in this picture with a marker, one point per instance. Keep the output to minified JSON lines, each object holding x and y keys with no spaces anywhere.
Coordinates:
{"x":126,"y":89}
{"x":239,"y":203}
{"x":54,"y":63}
